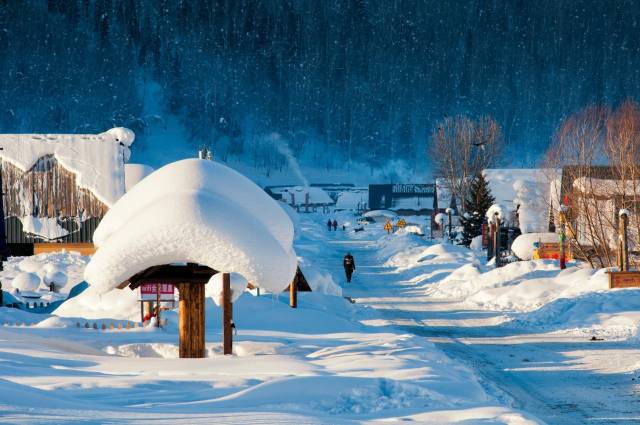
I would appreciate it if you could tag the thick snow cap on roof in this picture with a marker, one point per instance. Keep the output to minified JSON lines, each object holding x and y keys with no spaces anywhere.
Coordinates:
{"x":195,"y":211}
{"x":199,"y":175}
{"x":96,"y":159}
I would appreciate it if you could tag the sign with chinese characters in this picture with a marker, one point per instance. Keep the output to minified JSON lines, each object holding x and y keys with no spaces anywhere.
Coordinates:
{"x":148,"y":291}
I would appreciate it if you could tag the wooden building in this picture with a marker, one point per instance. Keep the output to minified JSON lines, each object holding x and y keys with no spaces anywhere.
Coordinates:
{"x":57,"y":187}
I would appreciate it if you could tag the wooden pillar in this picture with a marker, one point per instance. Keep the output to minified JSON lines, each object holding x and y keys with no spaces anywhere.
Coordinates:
{"x":227,"y":315}
{"x":293,"y":293}
{"x":624,"y":224}
{"x":496,"y":241}
{"x":158,"y":305}
{"x":490,"y":243}
{"x":191,"y":320}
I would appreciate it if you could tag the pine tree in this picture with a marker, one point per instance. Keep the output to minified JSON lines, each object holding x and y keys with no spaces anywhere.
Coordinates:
{"x":475,"y":206}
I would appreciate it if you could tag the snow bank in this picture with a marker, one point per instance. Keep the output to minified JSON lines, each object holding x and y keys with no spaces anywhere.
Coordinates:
{"x":195,"y":211}
{"x":523,"y":247}
{"x":96,"y":159}
{"x":377,"y":214}
{"x":65,"y":269}
{"x":26,"y":281}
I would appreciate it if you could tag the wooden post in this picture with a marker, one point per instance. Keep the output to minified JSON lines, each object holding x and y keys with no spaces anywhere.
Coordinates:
{"x":624,"y":223}
{"x":191,"y":320}
{"x":496,"y":241}
{"x":562,"y":239}
{"x":293,"y":293}
{"x":157,"y":305}
{"x":450,"y":224}
{"x":490,"y":243}
{"x":227,"y":315}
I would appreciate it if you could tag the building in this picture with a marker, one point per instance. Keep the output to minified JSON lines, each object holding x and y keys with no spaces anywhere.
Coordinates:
{"x":57,"y":187}
{"x":404,"y":199}
{"x":302,"y":198}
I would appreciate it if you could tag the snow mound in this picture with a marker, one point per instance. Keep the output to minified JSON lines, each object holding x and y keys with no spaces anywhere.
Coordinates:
{"x":26,"y":282}
{"x":122,"y":135}
{"x":523,"y":247}
{"x":195,"y":211}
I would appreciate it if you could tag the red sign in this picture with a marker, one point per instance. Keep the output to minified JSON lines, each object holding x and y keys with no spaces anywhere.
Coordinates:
{"x":148,"y":291}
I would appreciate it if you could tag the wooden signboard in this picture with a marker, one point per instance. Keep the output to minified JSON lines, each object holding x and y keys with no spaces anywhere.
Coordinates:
{"x":624,"y":279}
{"x":551,"y":251}
{"x":485,"y":235}
{"x":148,"y":292}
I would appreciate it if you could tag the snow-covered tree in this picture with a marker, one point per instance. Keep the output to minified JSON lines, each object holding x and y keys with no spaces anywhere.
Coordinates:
{"x":475,"y":206}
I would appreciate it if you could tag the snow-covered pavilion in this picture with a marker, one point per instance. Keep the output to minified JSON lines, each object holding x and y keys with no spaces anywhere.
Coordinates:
{"x":197,"y":212}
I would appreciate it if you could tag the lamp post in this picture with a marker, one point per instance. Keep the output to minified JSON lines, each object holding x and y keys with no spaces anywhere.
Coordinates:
{"x":449,"y":212}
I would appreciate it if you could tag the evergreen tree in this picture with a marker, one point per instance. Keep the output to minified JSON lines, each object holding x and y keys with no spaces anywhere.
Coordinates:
{"x":475,"y":206}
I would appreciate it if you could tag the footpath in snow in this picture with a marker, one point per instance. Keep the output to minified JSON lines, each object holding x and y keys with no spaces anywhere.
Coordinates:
{"x":558,"y":344}
{"x":330,"y":361}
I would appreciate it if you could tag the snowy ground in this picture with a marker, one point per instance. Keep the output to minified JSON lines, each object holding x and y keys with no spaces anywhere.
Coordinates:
{"x":435,"y":336}
{"x":525,"y":329}
{"x":327,"y":362}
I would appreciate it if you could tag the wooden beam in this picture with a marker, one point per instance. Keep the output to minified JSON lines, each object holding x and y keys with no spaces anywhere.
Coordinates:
{"x":227,"y":315}
{"x":191,"y":320}
{"x":169,"y":273}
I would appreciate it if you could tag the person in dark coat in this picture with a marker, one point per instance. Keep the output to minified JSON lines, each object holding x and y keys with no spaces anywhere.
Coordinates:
{"x":335,"y":225}
{"x":349,"y":266}
{"x":329,"y":224}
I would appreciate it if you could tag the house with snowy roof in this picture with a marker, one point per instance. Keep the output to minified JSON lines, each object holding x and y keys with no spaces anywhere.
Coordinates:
{"x":57,"y":187}
{"x":302,"y":198}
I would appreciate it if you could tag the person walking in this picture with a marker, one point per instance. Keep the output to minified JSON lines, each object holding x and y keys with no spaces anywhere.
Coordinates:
{"x":329,"y":224}
{"x":349,"y":266}
{"x":335,"y":225}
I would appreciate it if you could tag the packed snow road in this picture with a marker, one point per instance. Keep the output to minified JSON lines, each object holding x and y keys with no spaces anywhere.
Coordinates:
{"x":561,"y":378}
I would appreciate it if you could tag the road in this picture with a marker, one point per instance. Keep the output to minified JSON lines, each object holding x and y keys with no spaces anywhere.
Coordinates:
{"x":560,"y":378}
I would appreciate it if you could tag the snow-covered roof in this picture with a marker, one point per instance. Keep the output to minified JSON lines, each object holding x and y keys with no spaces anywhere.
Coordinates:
{"x":96,"y":159}
{"x":317,"y":196}
{"x":196,"y":211}
{"x":607,"y":187}
{"x":133,"y":173}
{"x":352,"y":200}
{"x":505,"y":182}
{"x":444,"y":194}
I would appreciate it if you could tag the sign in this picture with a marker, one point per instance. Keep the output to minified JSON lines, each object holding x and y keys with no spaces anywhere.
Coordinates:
{"x":624,"y":279}
{"x":388,"y":226}
{"x":551,"y":251}
{"x":401,"y":223}
{"x":413,"y":189}
{"x":148,"y":292}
